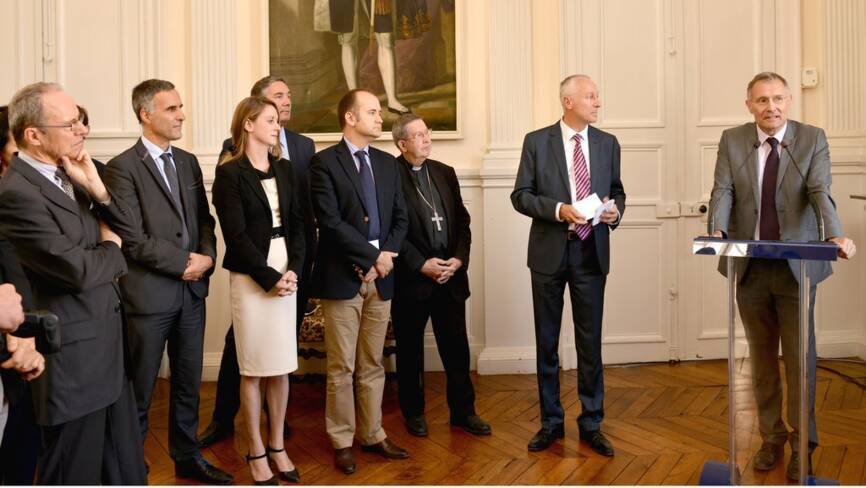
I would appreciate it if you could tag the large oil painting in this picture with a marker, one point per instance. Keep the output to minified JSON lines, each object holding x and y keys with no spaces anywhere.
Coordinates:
{"x":402,"y":50}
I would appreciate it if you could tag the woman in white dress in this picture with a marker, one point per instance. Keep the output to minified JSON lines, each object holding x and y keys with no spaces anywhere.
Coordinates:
{"x":255,"y":196}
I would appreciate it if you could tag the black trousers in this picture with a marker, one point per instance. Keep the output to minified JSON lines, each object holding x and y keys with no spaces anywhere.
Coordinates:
{"x":581,"y":272}
{"x":183,"y":330}
{"x":21,"y":441}
{"x":103,"y":447}
{"x":410,"y":317}
{"x":228,"y":394}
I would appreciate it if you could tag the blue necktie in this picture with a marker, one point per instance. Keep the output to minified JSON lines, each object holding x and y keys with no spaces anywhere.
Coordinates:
{"x":370,"y":200}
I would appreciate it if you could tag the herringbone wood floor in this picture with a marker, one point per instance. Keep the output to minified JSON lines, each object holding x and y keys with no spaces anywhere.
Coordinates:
{"x":665,"y":421}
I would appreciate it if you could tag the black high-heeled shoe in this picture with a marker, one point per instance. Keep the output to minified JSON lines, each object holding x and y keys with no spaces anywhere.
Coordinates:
{"x":291,"y":476}
{"x":270,"y":481}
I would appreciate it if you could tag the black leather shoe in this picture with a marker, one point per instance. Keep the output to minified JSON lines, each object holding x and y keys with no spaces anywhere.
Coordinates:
{"x":345,"y":460}
{"x":214,"y":433}
{"x":387,"y":449}
{"x":598,"y":442}
{"x":472,"y":424}
{"x":768,"y":456}
{"x":544,"y":438}
{"x":201,"y":470}
{"x":417,"y":426}
{"x":793,"y":470}
{"x":268,"y":482}
{"x":291,"y":476}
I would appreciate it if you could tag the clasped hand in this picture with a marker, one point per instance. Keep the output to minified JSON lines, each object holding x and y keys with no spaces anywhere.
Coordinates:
{"x":287,"y":284}
{"x":441,"y":270}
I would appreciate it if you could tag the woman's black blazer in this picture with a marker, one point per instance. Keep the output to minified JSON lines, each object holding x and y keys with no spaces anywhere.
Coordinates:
{"x":246,"y":220}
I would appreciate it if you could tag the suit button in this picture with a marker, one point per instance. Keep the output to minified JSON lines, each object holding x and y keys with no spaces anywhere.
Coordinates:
{"x":366,"y":219}
{"x":179,"y":234}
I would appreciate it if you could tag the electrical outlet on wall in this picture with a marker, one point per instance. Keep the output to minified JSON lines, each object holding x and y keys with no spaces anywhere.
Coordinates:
{"x":809,"y":78}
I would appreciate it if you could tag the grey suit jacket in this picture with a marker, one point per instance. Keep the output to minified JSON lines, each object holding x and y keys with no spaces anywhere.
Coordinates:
{"x":736,"y":196}
{"x":74,"y":275}
{"x":158,"y":261}
{"x":542,"y":181}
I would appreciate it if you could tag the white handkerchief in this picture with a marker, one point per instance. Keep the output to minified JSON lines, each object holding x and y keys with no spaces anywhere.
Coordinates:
{"x":600,"y":210}
{"x":375,"y":243}
{"x":588,"y":206}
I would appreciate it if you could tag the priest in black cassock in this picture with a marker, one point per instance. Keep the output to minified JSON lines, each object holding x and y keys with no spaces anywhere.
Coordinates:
{"x":431,"y":281}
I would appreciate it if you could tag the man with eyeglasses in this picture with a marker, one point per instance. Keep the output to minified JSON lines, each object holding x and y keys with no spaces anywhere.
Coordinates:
{"x":66,"y":228}
{"x":169,"y":269}
{"x":431,"y":281}
{"x":768,"y":174}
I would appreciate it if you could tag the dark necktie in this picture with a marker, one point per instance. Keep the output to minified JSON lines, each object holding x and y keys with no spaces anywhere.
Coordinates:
{"x":174,"y":186}
{"x":580,"y":175}
{"x":370,"y":200}
{"x":65,"y":183}
{"x":769,"y":228}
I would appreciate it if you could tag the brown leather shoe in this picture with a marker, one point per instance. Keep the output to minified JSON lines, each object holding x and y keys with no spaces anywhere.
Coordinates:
{"x":768,"y":456}
{"x":387,"y":449}
{"x":345,"y":460}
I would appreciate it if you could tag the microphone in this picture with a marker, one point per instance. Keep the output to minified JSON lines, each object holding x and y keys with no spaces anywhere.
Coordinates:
{"x":712,"y":217}
{"x":812,"y":201}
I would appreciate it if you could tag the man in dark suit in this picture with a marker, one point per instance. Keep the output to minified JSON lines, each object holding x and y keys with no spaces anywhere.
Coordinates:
{"x":768,"y":175}
{"x":431,"y":281}
{"x":169,"y":268}
{"x":561,"y":165}
{"x":358,"y":198}
{"x":61,"y":220}
{"x":298,"y":150}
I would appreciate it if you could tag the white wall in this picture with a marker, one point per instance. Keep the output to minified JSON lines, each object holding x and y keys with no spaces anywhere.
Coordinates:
{"x":511,"y":55}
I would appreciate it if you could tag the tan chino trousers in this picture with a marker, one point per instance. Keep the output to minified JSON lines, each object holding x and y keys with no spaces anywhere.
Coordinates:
{"x":354,"y":338}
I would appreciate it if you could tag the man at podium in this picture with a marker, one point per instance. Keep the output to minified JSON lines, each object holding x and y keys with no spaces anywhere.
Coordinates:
{"x":769,"y":175}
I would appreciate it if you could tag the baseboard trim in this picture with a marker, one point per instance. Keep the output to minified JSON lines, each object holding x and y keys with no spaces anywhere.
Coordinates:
{"x":506,"y":360}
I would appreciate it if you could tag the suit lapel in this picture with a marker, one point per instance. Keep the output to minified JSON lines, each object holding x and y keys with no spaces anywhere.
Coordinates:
{"x":251,"y":178}
{"x":752,"y":166}
{"x":411,"y":194}
{"x":347,"y":161}
{"x":379,"y":177}
{"x":48,"y":188}
{"x":595,"y":163}
{"x":784,"y":159}
{"x":281,"y":173}
{"x":558,"y":151}
{"x":444,"y":190}
{"x":150,"y":164}
{"x":184,"y":179}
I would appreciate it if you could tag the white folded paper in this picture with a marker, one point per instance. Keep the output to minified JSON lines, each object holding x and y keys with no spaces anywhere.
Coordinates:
{"x":608,"y":205}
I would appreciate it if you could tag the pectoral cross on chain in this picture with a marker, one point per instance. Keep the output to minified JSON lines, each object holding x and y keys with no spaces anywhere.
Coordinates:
{"x":437,"y":220}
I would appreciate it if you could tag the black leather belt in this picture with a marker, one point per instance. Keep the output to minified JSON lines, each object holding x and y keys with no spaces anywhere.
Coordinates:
{"x":277,"y":232}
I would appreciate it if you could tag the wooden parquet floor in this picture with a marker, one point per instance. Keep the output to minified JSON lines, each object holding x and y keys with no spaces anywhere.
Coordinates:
{"x":665,"y":421}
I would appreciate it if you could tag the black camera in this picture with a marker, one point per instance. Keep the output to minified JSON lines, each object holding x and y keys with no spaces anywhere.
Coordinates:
{"x":42,"y":325}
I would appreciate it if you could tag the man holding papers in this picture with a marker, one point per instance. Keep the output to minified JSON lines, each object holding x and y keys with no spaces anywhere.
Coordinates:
{"x":569,"y":183}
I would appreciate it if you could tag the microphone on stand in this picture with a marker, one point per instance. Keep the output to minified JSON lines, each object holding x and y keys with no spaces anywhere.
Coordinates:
{"x":812,"y":201}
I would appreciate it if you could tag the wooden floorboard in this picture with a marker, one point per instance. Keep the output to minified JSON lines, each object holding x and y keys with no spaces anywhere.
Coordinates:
{"x":665,"y":421}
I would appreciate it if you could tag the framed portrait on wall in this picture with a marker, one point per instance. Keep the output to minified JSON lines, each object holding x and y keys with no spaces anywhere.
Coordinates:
{"x":404,"y":51}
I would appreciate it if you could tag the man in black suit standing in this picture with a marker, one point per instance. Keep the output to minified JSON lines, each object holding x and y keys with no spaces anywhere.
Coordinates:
{"x":431,"y":281}
{"x":561,"y":165}
{"x":169,"y":268}
{"x":61,"y":220}
{"x":358,"y":198}
{"x":298,"y":150}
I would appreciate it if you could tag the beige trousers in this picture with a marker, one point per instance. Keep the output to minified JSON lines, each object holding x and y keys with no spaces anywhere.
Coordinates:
{"x":354,"y":338}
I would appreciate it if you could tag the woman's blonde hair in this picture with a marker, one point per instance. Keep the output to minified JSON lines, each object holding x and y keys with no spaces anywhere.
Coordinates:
{"x":248,"y":109}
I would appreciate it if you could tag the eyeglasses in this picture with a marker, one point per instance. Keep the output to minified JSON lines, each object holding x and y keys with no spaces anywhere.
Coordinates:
{"x":70,"y":126}
{"x":420,"y":135}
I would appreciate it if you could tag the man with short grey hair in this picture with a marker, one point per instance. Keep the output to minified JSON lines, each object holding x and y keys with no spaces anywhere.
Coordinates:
{"x":66,"y":228}
{"x":169,"y":269}
{"x":561,"y":165}
{"x":769,"y":173}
